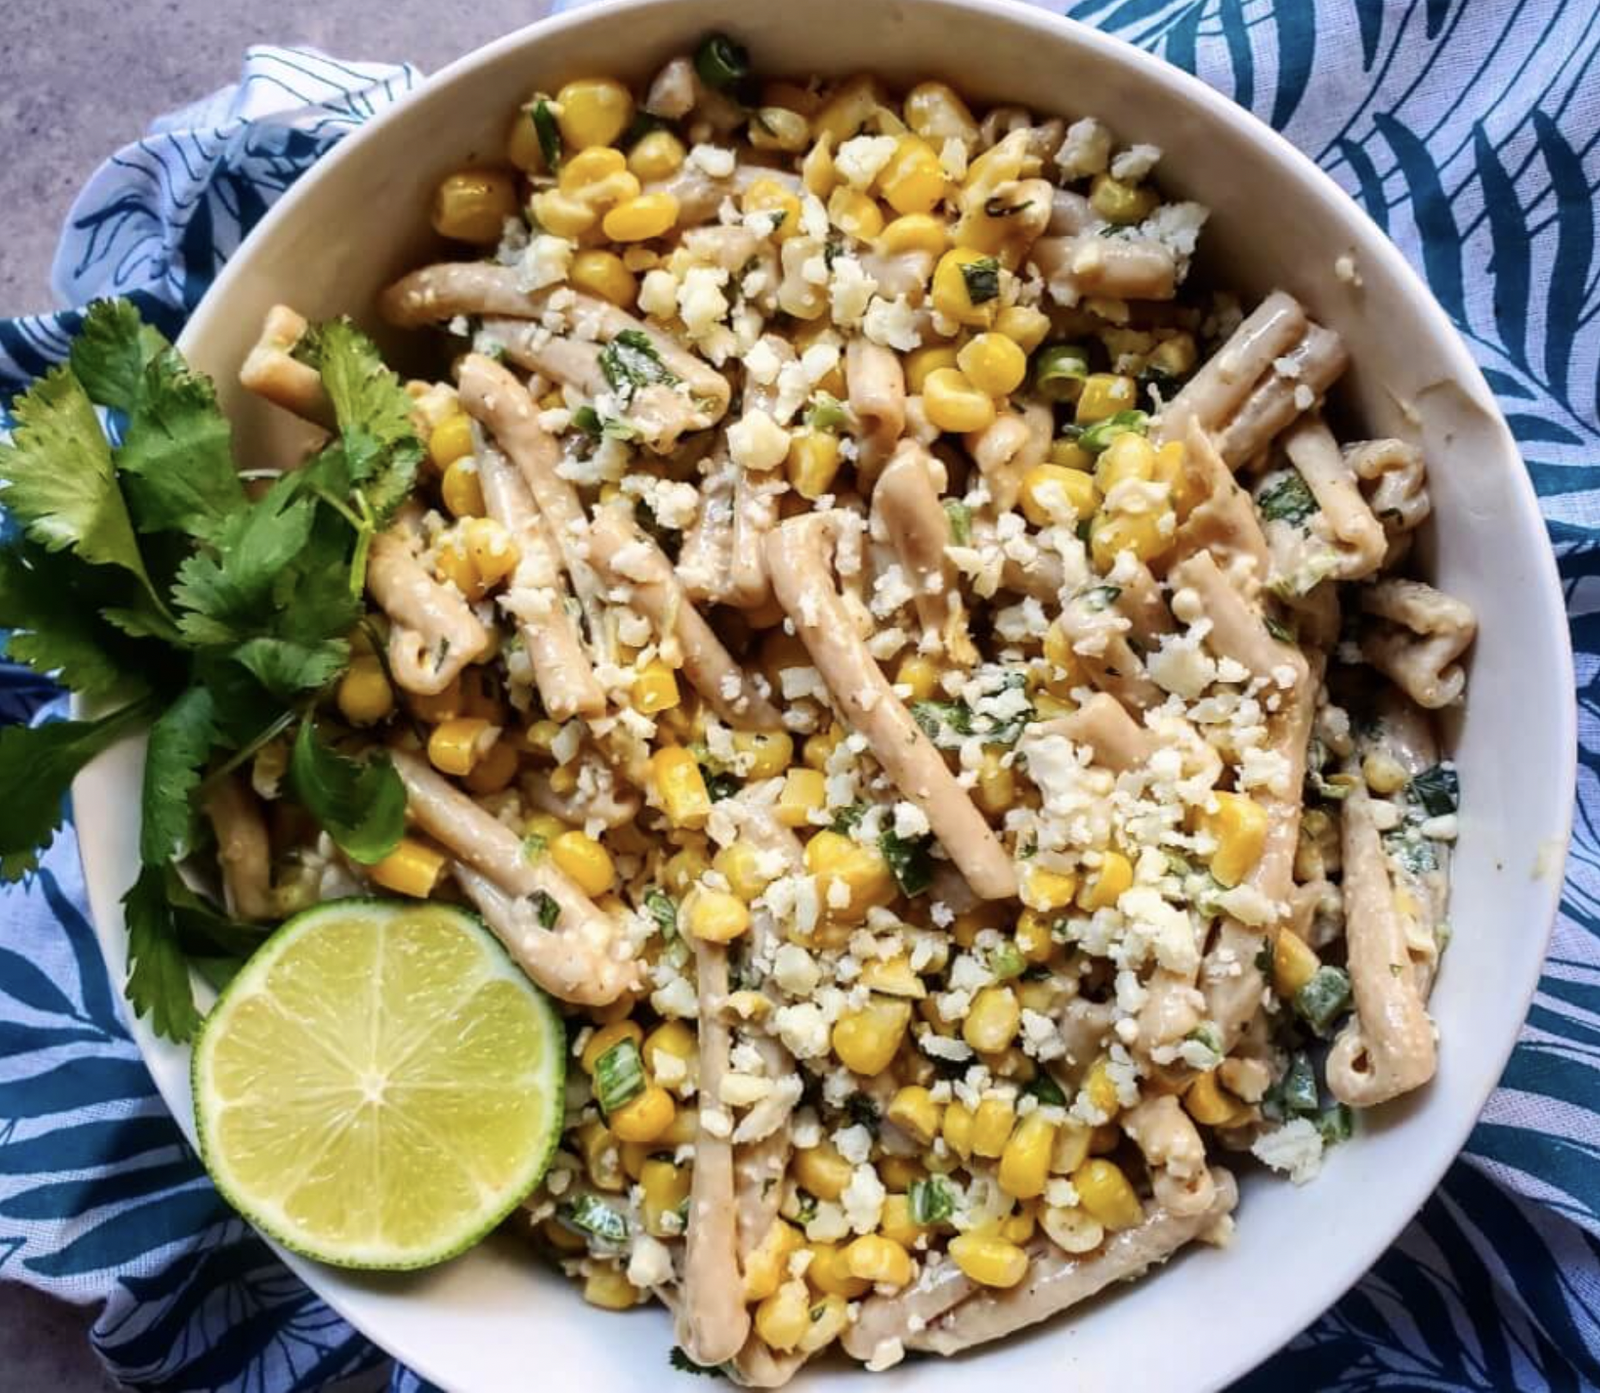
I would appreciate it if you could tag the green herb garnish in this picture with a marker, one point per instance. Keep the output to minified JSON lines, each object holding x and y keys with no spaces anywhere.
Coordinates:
{"x":618,"y":1076}
{"x":630,"y":361}
{"x":1287,"y":499}
{"x":590,"y":1215}
{"x":931,"y":1201}
{"x":960,"y":517}
{"x":1095,"y":438}
{"x":721,"y":63}
{"x":982,"y":278}
{"x":1324,"y":998}
{"x":910,"y":861}
{"x":549,"y":133}
{"x":1059,"y":370}
{"x":1436,"y":790}
{"x":546,"y":908}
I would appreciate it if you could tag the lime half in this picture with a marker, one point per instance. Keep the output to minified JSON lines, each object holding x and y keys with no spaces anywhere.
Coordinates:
{"x":379,"y":1085}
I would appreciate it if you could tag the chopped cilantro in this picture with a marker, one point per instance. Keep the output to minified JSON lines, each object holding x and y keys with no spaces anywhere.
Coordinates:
{"x":931,"y":1201}
{"x":908,"y":858}
{"x":982,"y":279}
{"x":960,"y":517}
{"x":1287,"y":499}
{"x":593,"y":1216}
{"x":1095,"y":438}
{"x":549,"y":133}
{"x":1324,"y":998}
{"x":547,"y":908}
{"x":630,"y":361}
{"x":1436,"y":790}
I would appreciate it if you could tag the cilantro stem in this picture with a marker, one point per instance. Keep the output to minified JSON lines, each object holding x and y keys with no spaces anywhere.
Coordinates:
{"x":246,"y":751}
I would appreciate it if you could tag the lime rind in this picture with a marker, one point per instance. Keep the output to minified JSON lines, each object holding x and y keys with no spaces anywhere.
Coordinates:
{"x":474,"y":1228}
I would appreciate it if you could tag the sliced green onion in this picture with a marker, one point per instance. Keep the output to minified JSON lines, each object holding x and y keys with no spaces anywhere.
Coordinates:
{"x":533,"y":846}
{"x":549,"y":133}
{"x":1299,"y":1086}
{"x":931,"y":1201}
{"x":618,"y":1076}
{"x":1046,"y":1090}
{"x":721,"y":63}
{"x":1324,"y":998}
{"x":1059,"y":370}
{"x":960,"y":521}
{"x":1006,"y":962}
{"x":1335,"y":1125}
{"x":595,"y":1217}
{"x":1096,"y":437}
{"x":661,"y":908}
{"x":826,"y":413}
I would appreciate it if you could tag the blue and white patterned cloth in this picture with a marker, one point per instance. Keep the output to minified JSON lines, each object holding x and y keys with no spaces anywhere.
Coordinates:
{"x":1470,"y":129}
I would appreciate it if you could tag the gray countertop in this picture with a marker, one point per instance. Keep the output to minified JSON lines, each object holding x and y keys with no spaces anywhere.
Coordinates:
{"x":65,"y":106}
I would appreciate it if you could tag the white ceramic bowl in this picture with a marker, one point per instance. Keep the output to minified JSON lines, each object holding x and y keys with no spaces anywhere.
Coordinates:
{"x":494,"y":1319}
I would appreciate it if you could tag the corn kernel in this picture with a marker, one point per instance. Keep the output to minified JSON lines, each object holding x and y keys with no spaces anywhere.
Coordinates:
{"x":893,"y":977}
{"x":716,"y":915}
{"x":766,"y":1267}
{"x":1047,"y":890}
{"x":1240,"y":828}
{"x":1205,"y":1101}
{"x":594,"y":111}
{"x":584,"y":861}
{"x":913,"y":181}
{"x":743,"y":867}
{"x":1072,"y":1230}
{"x":896,"y":1222}
{"x":1175,"y":356}
{"x":437,"y":706}
{"x":952,"y":292}
{"x":461,"y":490}
{"x":1025,"y":1163}
{"x":563,"y":215}
{"x":1070,"y":455}
{"x":1105,"y":885}
{"x":589,"y":167}
{"x":601,"y":273}
{"x":878,"y":1259}
{"x":913,"y":1110}
{"x":1104,"y":394}
{"x":805,"y":791}
{"x":1034,"y":940}
{"x":954,"y":404}
{"x":666,"y":1187}
{"x":813,"y":462}
{"x":956,"y":1129}
{"x":1105,"y":1193}
{"x":658,"y":155}
{"x":644,"y":1117}
{"x":915,"y":232}
{"x":602,"y":1160}
{"x":655,"y":689}
{"x":412,"y":868}
{"x":920,"y":363}
{"x":672,"y":1038}
{"x":1024,"y":325}
{"x":561,"y":1238}
{"x":639,"y":219}
{"x":993,"y":364}
{"x":866,"y":1040}
{"x":852,"y":105}
{"x":1294,"y":963}
{"x":365,"y":696}
{"x":821,"y":1171}
{"x":778,"y":128}
{"x":992,"y":1121}
{"x":473,"y":205}
{"x":854,"y":213}
{"x":1111,"y":534}
{"x":1053,"y":493}
{"x":819,"y":748}
{"x":680,"y":786}
{"x":495,"y":770}
{"x":1121,"y":203}
{"x":988,"y":1261}
{"x":782,"y":1319}
{"x":919,"y":674}
{"x":490,"y":549}
{"x":817,"y":172}
{"x":763,"y":754}
{"x":992,"y":1021}
{"x":450,"y":440}
{"x":1071,"y":1148}
{"x":1128,"y":456}
{"x":835,"y":859}
{"x":829,"y":1319}
{"x":828,"y":1273}
{"x":936,"y":113}
{"x":769,"y":196}
{"x":897,"y":1172}
{"x":996,"y":790}
{"x":605,"y":1286}
{"x":684,"y":868}
{"x":456,"y":745}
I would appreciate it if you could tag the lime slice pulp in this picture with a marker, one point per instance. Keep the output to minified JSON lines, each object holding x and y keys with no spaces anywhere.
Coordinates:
{"x":379,"y":1085}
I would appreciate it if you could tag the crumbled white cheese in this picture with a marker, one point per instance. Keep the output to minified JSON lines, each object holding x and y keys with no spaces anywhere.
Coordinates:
{"x":713,"y":161}
{"x":1135,"y":162}
{"x":863,"y":1199}
{"x":545,"y":261}
{"x":892,"y":323}
{"x":1295,"y":1147}
{"x":803,"y":1029}
{"x":850,"y":291}
{"x":658,"y":294}
{"x":1085,"y":150}
{"x":650,"y":1263}
{"x":756,"y":442}
{"x":861,"y":159}
{"x":701,"y":302}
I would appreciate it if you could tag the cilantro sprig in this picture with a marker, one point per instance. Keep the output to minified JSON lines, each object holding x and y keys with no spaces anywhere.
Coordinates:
{"x":149,"y":581}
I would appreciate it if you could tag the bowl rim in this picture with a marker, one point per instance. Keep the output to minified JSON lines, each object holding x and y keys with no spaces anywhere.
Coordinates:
{"x":1298,"y":1310}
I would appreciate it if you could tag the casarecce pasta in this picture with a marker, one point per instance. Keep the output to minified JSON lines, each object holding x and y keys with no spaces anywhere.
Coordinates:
{"x":928,"y":689}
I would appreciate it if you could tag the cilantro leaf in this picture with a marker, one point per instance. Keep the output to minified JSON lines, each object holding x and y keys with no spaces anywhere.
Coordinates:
{"x":176,"y":457}
{"x":286,"y":668}
{"x":360,"y":804}
{"x":982,"y":279}
{"x":910,"y":861}
{"x":55,"y":632}
{"x":216,"y":944}
{"x":158,"y":974}
{"x":110,"y":353}
{"x":225,"y":590}
{"x":630,"y":361}
{"x":381,"y":448}
{"x":1287,"y":499}
{"x":37,"y":766}
{"x":180,"y":740}
{"x":685,"y":1365}
{"x":57,"y":479}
